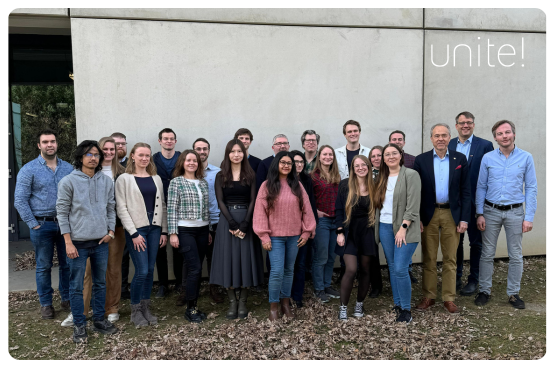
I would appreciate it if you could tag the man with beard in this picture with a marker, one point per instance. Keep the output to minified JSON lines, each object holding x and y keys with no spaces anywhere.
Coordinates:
{"x":202,"y":147}
{"x":36,"y":192}
{"x":121,"y":145}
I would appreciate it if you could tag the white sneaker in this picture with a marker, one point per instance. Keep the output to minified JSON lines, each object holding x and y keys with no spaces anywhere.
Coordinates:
{"x":68,"y":322}
{"x":113,"y":317}
{"x":343,"y":313}
{"x":359,"y":310}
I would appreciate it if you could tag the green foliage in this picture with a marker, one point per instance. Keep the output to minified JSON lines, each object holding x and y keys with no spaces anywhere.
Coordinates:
{"x":39,"y":111}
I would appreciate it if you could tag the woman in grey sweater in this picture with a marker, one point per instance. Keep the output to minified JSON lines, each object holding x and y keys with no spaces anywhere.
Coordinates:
{"x":87,"y":217}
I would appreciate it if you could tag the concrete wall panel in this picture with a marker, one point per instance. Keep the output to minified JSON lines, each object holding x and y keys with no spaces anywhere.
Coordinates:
{"x":492,"y":93}
{"x":487,"y":19}
{"x":41,"y":11}
{"x":322,"y":17}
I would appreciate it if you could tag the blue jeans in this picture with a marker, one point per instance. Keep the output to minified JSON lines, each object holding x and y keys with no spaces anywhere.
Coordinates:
{"x":323,"y":257}
{"x":44,"y":239}
{"x":77,"y":267}
{"x":398,"y":259}
{"x":282,"y":258}
{"x":144,"y":261}
{"x":297,"y":290}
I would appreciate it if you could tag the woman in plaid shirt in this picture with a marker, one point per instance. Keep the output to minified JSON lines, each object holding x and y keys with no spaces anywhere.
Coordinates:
{"x":188,"y":224}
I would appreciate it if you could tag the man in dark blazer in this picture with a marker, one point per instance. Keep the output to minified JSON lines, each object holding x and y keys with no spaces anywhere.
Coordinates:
{"x":444,"y":214}
{"x":474,"y":148}
{"x":279,"y":143}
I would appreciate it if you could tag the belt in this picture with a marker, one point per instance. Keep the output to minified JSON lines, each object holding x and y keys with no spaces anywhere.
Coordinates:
{"x":238,"y":207}
{"x":503,"y":208}
{"x":46,"y":218}
{"x":443,"y":205}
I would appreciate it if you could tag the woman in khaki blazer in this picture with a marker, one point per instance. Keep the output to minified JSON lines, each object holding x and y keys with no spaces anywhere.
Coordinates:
{"x":397,"y":201}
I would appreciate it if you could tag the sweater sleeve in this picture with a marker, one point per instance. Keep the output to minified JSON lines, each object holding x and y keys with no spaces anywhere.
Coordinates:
{"x":111,"y":207}
{"x":308,"y":222}
{"x":121,"y":205}
{"x":244,"y":225}
{"x":218,"y":188}
{"x":260,"y":223}
{"x":63,"y":205}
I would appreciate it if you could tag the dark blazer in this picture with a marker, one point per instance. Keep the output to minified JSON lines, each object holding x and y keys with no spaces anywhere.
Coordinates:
{"x":254,"y":161}
{"x":306,"y":181}
{"x":162,"y":172}
{"x":124,"y":162}
{"x":478,"y":149}
{"x":459,"y":186}
{"x":262,"y":171}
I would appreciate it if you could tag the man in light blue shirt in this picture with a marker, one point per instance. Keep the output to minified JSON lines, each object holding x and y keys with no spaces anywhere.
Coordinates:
{"x":441,"y":174}
{"x":499,"y":202}
{"x":202,"y":147}
{"x":36,"y":192}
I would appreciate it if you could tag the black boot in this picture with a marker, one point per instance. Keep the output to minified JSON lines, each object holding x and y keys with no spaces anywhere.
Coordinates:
{"x":192,"y":314}
{"x":242,"y":310}
{"x":232,"y":311}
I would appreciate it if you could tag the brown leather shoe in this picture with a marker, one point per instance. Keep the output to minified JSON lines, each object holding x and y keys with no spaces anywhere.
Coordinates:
{"x":286,"y":308}
{"x":425,"y":303}
{"x":274,"y":311}
{"x":181,"y":299}
{"x":451,"y":307}
{"x":215,"y":294}
{"x":47,"y":312}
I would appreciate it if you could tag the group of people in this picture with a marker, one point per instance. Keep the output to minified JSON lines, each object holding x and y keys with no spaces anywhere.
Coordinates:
{"x":303,"y":208}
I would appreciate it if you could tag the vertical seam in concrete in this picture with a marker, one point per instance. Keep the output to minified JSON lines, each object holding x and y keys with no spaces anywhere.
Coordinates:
{"x":423,"y":74}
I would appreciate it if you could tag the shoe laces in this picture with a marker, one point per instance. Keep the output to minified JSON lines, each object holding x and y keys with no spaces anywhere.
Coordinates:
{"x":343,"y":312}
{"x":359,"y":307}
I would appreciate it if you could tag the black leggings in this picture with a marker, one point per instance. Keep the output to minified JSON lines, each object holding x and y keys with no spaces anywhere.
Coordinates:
{"x":349,"y":277}
{"x":192,"y":245}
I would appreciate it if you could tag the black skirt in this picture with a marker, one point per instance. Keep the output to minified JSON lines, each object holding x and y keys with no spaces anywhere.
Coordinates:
{"x":360,"y":240}
{"x":236,"y":262}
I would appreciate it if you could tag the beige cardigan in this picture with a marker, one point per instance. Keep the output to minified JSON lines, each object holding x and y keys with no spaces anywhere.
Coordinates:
{"x":406,"y":205}
{"x":131,"y":205}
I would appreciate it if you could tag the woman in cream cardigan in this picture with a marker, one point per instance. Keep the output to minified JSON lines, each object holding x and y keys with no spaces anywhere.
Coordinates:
{"x":142,"y":211}
{"x":397,"y":201}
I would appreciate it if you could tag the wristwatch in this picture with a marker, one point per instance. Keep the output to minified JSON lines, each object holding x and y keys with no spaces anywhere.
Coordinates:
{"x":111,"y":236}
{"x":405,"y":226}
{"x":479,"y":214}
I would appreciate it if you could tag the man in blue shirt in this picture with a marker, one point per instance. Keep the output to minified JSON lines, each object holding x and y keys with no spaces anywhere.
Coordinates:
{"x":202,"y":147}
{"x":165,"y":161}
{"x":474,"y":148}
{"x":444,"y":214}
{"x":499,"y":202}
{"x":36,"y":192}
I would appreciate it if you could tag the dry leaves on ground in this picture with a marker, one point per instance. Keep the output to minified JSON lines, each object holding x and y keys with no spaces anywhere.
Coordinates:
{"x":26,"y":260}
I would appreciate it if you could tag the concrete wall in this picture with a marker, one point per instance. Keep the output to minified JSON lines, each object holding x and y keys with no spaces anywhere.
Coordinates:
{"x":208,"y":79}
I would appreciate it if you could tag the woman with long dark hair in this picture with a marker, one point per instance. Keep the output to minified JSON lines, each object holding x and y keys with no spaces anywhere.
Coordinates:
{"x":189,"y":224}
{"x":237,"y":262}
{"x":284,"y":221}
{"x":397,"y":202}
{"x":142,"y":210}
{"x":355,"y":232}
{"x":305,"y":252}
{"x":325,"y":178}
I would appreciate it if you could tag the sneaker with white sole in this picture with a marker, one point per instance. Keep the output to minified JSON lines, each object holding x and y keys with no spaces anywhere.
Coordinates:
{"x":321,"y":296}
{"x":68,"y":322}
{"x":113,"y":317}
{"x":359,"y":310}
{"x":343,"y":313}
{"x":332,"y":293}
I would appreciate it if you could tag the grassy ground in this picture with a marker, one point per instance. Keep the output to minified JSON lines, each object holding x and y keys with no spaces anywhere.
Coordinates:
{"x":496,"y":331}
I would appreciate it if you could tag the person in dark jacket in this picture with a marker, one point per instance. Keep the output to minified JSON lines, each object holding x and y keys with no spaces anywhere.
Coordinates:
{"x":245,"y":136}
{"x":297,"y":291}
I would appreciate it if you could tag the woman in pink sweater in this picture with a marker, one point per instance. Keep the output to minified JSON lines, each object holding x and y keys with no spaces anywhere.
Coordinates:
{"x":284,"y":221}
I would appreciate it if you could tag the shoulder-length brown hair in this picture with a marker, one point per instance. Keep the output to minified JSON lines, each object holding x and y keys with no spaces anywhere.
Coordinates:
{"x":383,"y":176}
{"x":247,"y":176}
{"x":130,"y":168}
{"x":333,"y":176}
{"x":354,"y":191}
{"x":117,"y":168}
{"x":180,"y":164}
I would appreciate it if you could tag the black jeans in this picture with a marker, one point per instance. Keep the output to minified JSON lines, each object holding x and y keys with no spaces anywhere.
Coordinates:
{"x":297,"y":290}
{"x":193,"y":242}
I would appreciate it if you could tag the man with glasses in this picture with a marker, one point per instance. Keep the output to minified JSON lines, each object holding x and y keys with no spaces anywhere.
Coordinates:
{"x":202,"y":147}
{"x":279,"y":143}
{"x":121,"y":146}
{"x":474,"y":148}
{"x":36,"y":192}
{"x":245,"y":136}
{"x":310,"y":141}
{"x":165,"y":161}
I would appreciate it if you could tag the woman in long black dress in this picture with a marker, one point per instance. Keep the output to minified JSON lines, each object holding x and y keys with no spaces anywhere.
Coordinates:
{"x":236,"y":262}
{"x":355,"y":219}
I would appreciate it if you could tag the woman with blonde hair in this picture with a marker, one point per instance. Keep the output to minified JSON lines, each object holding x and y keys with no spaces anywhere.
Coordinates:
{"x":355,"y":232}
{"x":325,"y":179}
{"x":142,"y":209}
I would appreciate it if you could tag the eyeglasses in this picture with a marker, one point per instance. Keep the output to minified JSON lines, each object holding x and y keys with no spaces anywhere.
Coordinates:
{"x":286,"y":163}
{"x":299,"y":162}
{"x":96,"y":155}
{"x":393,"y":154}
{"x":123,"y":144}
{"x":469,"y":123}
{"x":279,"y":144}
{"x":310,"y":140}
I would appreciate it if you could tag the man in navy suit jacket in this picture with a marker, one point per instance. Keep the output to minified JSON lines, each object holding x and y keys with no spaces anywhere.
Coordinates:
{"x":444,"y":213}
{"x":280,"y":143}
{"x":474,"y":148}
{"x":245,"y":136}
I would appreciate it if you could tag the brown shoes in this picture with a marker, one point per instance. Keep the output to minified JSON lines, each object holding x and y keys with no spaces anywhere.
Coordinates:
{"x":286,"y":308}
{"x":425,"y":304}
{"x":451,"y":307}
{"x":47,"y":312}
{"x":274,"y":312}
{"x":215,"y":294}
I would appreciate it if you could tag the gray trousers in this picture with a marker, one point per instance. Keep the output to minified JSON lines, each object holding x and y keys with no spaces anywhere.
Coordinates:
{"x":512,"y":221}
